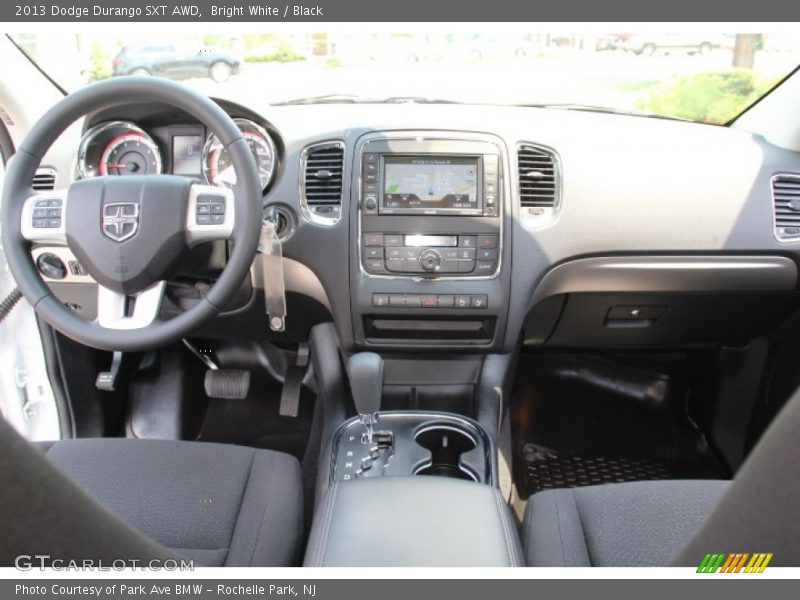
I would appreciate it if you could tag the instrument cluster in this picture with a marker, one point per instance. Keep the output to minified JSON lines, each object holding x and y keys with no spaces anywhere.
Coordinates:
{"x":120,"y":147}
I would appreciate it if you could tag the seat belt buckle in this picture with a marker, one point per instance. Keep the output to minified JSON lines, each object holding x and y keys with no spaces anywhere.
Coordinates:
{"x":269,"y":246}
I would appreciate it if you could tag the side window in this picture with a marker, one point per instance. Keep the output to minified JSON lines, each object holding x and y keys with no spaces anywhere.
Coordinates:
{"x":6,"y":143}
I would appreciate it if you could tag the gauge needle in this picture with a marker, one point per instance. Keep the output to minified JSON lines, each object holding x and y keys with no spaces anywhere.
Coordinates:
{"x":117,"y":166}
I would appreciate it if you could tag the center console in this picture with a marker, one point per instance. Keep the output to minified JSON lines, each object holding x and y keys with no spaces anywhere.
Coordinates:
{"x":429,"y":222}
{"x":409,"y":488}
{"x":405,"y":488}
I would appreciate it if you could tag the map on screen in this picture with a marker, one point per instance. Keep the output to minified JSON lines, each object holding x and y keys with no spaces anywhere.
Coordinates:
{"x":430,"y":183}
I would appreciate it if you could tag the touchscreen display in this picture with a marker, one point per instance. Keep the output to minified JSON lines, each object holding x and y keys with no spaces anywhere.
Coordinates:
{"x":428,"y":183}
{"x":187,"y":153}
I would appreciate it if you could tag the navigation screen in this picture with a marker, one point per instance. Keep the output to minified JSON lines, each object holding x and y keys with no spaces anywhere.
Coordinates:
{"x":430,"y":184}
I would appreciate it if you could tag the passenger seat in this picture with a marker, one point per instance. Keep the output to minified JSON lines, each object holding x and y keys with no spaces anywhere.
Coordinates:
{"x":676,"y":523}
{"x":640,"y":524}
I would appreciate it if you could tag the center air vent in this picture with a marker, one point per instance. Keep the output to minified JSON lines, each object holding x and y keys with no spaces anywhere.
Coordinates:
{"x":786,"y":203}
{"x":322,"y":167}
{"x":45,"y":179}
{"x":538,"y":178}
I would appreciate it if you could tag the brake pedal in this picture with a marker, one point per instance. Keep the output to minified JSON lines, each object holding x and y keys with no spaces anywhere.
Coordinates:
{"x":227,"y":384}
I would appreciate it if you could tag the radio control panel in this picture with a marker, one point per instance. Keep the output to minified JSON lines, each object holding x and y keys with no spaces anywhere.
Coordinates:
{"x":426,"y":254}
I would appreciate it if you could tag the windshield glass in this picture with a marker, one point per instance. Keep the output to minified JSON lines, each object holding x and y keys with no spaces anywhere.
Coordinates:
{"x":707,"y":77}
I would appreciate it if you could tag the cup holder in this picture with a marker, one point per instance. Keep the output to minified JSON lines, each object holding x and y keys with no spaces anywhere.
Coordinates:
{"x":446,"y":443}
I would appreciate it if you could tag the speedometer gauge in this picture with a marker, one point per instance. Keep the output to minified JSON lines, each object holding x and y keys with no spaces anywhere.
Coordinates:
{"x":117,"y":148}
{"x":217,"y":163}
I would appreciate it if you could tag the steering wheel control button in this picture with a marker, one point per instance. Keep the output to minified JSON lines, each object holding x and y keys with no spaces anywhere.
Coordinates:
{"x":51,"y":266}
{"x":210,"y":210}
{"x":46,"y":214}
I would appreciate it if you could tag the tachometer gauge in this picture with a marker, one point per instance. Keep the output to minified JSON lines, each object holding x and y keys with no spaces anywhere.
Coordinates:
{"x":117,"y":148}
{"x":217,"y":164}
{"x":130,"y":154}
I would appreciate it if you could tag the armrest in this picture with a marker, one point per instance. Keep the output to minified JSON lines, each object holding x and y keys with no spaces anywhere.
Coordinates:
{"x":411,"y":522}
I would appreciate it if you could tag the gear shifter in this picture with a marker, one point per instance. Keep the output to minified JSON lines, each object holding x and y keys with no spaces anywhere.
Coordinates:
{"x":365,"y":371}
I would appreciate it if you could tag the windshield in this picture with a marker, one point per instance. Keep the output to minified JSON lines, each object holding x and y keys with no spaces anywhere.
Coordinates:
{"x":706,"y":77}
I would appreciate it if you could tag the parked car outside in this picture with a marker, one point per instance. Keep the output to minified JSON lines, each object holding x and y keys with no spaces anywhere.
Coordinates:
{"x":169,"y":60}
{"x":649,"y":44}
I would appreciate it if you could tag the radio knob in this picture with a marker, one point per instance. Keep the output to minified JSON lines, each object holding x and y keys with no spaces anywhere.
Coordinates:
{"x":430,"y":260}
{"x":370,"y":203}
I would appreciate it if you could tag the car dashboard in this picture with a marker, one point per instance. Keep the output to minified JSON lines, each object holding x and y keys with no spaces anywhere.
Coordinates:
{"x":425,"y":227}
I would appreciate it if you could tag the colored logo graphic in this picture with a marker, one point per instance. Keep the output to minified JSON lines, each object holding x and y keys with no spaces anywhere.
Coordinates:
{"x":737,"y":562}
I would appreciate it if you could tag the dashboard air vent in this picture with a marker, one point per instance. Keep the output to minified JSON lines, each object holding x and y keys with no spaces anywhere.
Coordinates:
{"x":322,"y":174}
{"x":538,"y":175}
{"x":45,"y":179}
{"x":321,"y":182}
{"x":786,"y":203}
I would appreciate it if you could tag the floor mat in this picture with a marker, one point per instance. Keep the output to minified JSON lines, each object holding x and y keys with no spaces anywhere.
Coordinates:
{"x":587,"y":420}
{"x":255,"y":421}
{"x":545,"y":469}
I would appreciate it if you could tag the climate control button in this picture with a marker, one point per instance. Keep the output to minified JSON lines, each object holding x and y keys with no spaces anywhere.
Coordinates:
{"x":430,"y":260}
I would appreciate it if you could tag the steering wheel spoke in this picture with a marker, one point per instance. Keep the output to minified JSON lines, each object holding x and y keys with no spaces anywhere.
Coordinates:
{"x":114,"y":309}
{"x":210,"y":214}
{"x":44,"y":218}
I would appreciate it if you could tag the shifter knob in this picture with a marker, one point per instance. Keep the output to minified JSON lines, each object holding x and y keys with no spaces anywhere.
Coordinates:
{"x":365,"y":371}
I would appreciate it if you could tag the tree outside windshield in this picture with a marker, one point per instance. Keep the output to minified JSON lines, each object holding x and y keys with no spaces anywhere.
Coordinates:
{"x":701,"y":77}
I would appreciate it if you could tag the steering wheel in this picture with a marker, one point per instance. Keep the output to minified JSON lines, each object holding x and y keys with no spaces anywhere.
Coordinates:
{"x":132,"y":232}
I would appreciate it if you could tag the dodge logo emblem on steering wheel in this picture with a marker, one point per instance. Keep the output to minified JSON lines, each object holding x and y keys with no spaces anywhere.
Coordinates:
{"x":120,"y":220}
